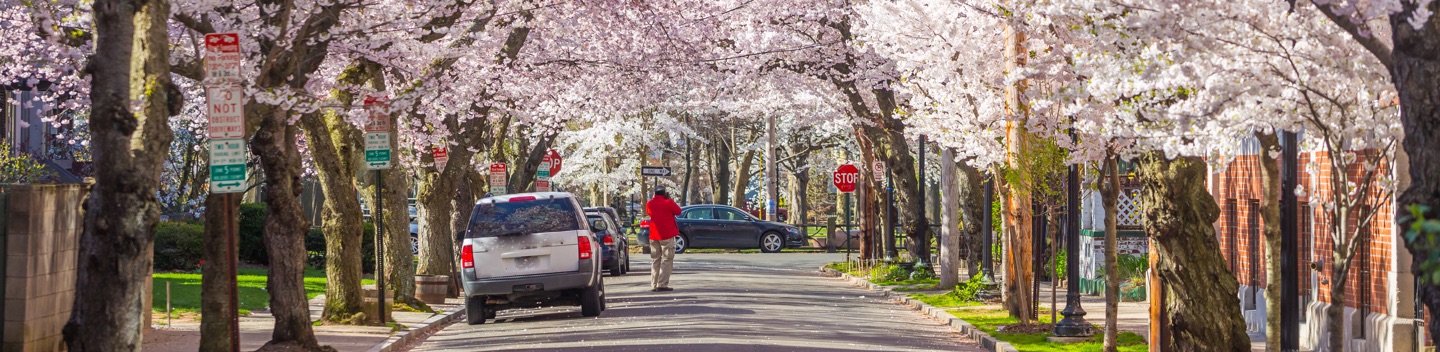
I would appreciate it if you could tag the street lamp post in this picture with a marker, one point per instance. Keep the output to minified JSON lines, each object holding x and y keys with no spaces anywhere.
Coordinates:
{"x":922,"y":239}
{"x":987,"y":266}
{"x":1074,"y":324}
{"x":1289,"y":249}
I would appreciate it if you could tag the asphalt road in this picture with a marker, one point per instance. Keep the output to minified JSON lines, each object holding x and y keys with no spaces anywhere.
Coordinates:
{"x":721,"y":302}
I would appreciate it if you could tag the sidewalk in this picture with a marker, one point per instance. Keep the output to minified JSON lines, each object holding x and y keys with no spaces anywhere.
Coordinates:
{"x":255,"y":330}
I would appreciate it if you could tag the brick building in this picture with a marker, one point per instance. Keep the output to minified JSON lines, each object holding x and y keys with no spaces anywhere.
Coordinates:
{"x":1379,"y":307}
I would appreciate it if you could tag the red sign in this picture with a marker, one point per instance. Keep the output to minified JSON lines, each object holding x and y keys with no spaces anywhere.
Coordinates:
{"x":379,"y":120}
{"x":442,"y":155}
{"x":222,"y":58}
{"x":845,"y":178}
{"x":553,"y":158}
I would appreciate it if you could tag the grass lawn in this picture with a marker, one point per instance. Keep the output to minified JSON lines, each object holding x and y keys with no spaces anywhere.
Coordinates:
{"x":944,"y":300}
{"x":990,"y":320}
{"x":185,"y":290}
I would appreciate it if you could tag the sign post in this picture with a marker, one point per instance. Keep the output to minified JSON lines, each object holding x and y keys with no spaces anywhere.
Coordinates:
{"x":224,"y":104}
{"x":377,"y":158}
{"x":442,"y":157}
{"x":542,"y":177}
{"x":845,"y":178}
{"x":497,"y":179}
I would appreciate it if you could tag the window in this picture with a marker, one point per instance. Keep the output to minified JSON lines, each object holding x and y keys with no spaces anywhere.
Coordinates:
{"x":730,"y":214}
{"x":523,"y":217}
{"x":698,"y":214}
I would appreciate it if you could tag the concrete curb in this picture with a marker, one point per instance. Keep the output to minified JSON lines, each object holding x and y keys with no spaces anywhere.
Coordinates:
{"x":957,"y":324}
{"x":417,"y":331}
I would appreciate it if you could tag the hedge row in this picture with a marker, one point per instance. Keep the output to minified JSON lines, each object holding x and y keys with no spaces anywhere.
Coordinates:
{"x":179,"y":245}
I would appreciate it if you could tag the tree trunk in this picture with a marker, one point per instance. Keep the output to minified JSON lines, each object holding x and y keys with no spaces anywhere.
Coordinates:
{"x":867,"y":201}
{"x":1110,"y":198}
{"x":950,"y":233}
{"x":1200,"y":301}
{"x":335,"y":147}
{"x":1416,"y":68}
{"x":399,"y":257}
{"x":742,"y":180}
{"x":721,"y":167}
{"x":972,"y":213}
{"x":285,"y":228}
{"x":435,"y":207}
{"x":116,"y":248}
{"x":523,"y":178}
{"x":689,"y":170}
{"x":1270,"y":214}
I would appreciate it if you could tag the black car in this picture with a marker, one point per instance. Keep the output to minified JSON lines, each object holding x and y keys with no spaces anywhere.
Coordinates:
{"x":721,"y":226}
{"x":614,"y":254}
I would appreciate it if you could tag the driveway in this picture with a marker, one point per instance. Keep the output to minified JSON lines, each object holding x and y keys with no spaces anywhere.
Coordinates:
{"x":721,"y":302}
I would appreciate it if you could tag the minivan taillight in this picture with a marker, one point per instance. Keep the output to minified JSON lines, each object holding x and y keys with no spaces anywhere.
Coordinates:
{"x":609,"y":240}
{"x":584,"y":247}
{"x":467,"y":257}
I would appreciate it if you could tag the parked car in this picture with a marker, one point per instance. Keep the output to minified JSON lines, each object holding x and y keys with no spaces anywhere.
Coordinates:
{"x":529,"y":250}
{"x":722,"y":226}
{"x":414,"y":237}
{"x":615,"y":257}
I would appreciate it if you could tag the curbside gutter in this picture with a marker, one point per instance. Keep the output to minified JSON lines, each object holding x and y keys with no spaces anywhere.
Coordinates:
{"x":956,"y":324}
{"x":413,"y":333}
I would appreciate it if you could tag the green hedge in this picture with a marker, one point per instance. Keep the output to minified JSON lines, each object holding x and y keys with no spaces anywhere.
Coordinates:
{"x":178,"y":246}
{"x":252,"y":232}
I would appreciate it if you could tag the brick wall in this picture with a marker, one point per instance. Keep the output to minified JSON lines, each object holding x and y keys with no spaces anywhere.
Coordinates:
{"x":1238,"y":189}
{"x":41,"y":226}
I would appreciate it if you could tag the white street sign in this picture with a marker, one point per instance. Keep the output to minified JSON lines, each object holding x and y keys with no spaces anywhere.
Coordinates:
{"x":225,"y":105}
{"x":879,"y":168}
{"x":227,"y":166}
{"x":542,"y":178}
{"x":377,"y":151}
{"x":497,"y":179}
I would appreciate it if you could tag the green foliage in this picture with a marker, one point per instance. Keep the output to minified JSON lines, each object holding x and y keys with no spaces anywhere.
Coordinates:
{"x":185,"y":289}
{"x":1041,"y":167}
{"x":967,"y":290}
{"x":315,"y":247}
{"x":921,"y":272}
{"x":1422,"y":237}
{"x":1132,"y":266}
{"x":1060,"y":263}
{"x":252,"y":234}
{"x":179,"y":246}
{"x":991,"y":320}
{"x":21,"y":167}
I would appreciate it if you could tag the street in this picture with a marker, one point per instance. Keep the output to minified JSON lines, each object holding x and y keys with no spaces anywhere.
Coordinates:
{"x":721,"y":302}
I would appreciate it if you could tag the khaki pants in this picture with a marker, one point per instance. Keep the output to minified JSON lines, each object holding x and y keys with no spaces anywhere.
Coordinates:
{"x":662,"y":261}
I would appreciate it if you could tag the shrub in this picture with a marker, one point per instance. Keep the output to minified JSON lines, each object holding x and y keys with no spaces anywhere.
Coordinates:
{"x":252,"y":234}
{"x":966,"y":291}
{"x":18,"y":167}
{"x":315,"y":248}
{"x":178,"y":245}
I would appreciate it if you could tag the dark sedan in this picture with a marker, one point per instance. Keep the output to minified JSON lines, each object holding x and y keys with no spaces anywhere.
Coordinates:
{"x":720,"y":226}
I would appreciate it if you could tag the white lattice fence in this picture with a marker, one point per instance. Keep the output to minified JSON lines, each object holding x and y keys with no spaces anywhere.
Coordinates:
{"x":1129,"y":208}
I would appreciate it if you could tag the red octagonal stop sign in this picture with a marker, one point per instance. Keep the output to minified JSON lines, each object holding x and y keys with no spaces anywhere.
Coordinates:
{"x":845,"y":178}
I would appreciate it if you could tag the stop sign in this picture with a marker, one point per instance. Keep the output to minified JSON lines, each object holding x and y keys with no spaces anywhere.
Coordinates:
{"x":553,"y":158}
{"x":845,"y":178}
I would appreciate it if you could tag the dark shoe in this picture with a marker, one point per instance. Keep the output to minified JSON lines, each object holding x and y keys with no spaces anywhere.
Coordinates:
{"x":664,"y":289}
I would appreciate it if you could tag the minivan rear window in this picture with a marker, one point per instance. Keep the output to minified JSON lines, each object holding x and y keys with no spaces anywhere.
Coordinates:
{"x":523,"y":217}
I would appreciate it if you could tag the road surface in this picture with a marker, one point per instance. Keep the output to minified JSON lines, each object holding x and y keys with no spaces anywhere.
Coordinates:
{"x":721,"y":302}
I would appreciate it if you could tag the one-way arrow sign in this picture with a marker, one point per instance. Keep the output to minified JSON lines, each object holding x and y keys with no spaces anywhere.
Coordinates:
{"x":660,"y":171}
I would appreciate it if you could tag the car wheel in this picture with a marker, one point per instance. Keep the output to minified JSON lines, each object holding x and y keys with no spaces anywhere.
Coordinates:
{"x":626,"y":263}
{"x":771,"y":242}
{"x":681,"y":244}
{"x":415,"y":244}
{"x":475,"y":312}
{"x":616,"y":270}
{"x":591,"y":301}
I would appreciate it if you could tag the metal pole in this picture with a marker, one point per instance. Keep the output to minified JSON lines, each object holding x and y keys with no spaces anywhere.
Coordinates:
{"x":987,"y":266}
{"x":890,"y":252}
{"x":1074,"y":324}
{"x":1289,"y":249}
{"x":167,"y":305}
{"x":922,"y":239}
{"x":847,"y":226}
{"x":379,"y":215}
{"x":232,"y":219}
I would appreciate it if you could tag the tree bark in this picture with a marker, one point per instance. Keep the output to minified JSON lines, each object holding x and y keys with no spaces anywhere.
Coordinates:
{"x":1110,"y":197}
{"x":285,"y":227}
{"x":1018,"y":254}
{"x":742,"y":180}
{"x":1270,"y":214}
{"x":335,"y":147}
{"x":399,"y":258}
{"x":523,"y":178}
{"x":721,"y":166}
{"x":972,"y":213}
{"x":950,"y":233}
{"x":216,"y":312}
{"x":1200,"y":301}
{"x":435,"y":207}
{"x":1415,"y":69}
{"x":116,"y":247}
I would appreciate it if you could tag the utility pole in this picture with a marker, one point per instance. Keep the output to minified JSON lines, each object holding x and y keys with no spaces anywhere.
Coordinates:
{"x":1289,"y":249}
{"x":922,"y":239}
{"x":772,"y":185}
{"x":890,"y":252}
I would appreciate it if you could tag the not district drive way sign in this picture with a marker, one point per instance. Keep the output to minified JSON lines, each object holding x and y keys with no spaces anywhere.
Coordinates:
{"x":377,"y":135}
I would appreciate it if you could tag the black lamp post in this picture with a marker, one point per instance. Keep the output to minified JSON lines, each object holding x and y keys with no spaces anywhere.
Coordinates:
{"x":1074,"y":324}
{"x":987,"y":233}
{"x":1289,"y":249}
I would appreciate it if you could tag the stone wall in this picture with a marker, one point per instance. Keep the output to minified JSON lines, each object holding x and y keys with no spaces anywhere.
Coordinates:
{"x":41,"y":226}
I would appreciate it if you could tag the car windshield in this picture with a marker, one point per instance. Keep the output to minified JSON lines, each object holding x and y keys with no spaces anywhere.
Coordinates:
{"x":514,"y":218}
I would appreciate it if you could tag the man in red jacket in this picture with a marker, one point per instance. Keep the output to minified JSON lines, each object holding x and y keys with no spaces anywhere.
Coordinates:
{"x":663,"y":230}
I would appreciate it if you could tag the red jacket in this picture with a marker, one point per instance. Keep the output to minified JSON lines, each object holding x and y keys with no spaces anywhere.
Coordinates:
{"x":662,"y":212}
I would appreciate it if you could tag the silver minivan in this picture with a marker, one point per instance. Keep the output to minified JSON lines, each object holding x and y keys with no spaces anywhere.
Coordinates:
{"x":530,"y":250}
